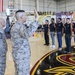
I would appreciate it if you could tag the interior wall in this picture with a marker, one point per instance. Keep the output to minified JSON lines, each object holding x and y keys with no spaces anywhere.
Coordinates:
{"x":65,"y":5}
{"x":29,"y":5}
{"x":47,"y":5}
{"x":44,"y":5}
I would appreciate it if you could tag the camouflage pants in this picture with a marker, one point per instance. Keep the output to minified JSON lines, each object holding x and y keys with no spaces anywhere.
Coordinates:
{"x":2,"y":63}
{"x":22,"y":63}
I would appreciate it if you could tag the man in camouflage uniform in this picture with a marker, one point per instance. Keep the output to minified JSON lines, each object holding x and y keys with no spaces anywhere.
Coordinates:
{"x":3,"y":48}
{"x":20,"y":44}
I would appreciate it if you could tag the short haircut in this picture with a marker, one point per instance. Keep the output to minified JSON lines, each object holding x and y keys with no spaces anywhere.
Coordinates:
{"x":60,"y":19}
{"x":19,"y":11}
{"x":68,"y":18}
{"x":52,"y":19}
{"x":47,"y":21}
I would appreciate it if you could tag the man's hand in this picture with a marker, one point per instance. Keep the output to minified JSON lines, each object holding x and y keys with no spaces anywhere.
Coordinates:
{"x":35,"y":14}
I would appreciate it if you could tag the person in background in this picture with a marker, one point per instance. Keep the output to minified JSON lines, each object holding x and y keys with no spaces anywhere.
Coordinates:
{"x":68,"y":34}
{"x":20,"y":43}
{"x":7,"y":29}
{"x":3,"y":47}
{"x":46,"y":34}
{"x":52,"y":32}
{"x":60,"y":30}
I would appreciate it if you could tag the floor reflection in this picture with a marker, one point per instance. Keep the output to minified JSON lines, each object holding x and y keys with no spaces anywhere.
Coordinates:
{"x":56,"y":63}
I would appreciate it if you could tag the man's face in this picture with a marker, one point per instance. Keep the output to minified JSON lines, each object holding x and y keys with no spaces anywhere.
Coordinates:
{"x":46,"y":22}
{"x":58,"y":20}
{"x":24,"y":17}
{"x":52,"y":21}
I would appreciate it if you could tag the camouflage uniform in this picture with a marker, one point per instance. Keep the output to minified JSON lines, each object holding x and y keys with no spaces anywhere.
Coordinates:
{"x":20,"y":46}
{"x":3,"y":51}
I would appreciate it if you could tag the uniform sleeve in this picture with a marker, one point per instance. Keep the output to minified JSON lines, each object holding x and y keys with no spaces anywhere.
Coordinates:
{"x":32,"y":28}
{"x":3,"y":41}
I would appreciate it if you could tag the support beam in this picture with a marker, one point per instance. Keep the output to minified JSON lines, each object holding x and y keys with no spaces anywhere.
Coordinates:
{"x":37,"y":4}
{"x":21,"y":4}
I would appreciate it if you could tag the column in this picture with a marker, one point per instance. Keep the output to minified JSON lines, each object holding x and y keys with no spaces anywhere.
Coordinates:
{"x":37,"y":5}
{"x":21,"y":4}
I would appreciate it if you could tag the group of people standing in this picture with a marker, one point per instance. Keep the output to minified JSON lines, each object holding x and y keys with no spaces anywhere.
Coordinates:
{"x":20,"y":43}
{"x":60,"y":29}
